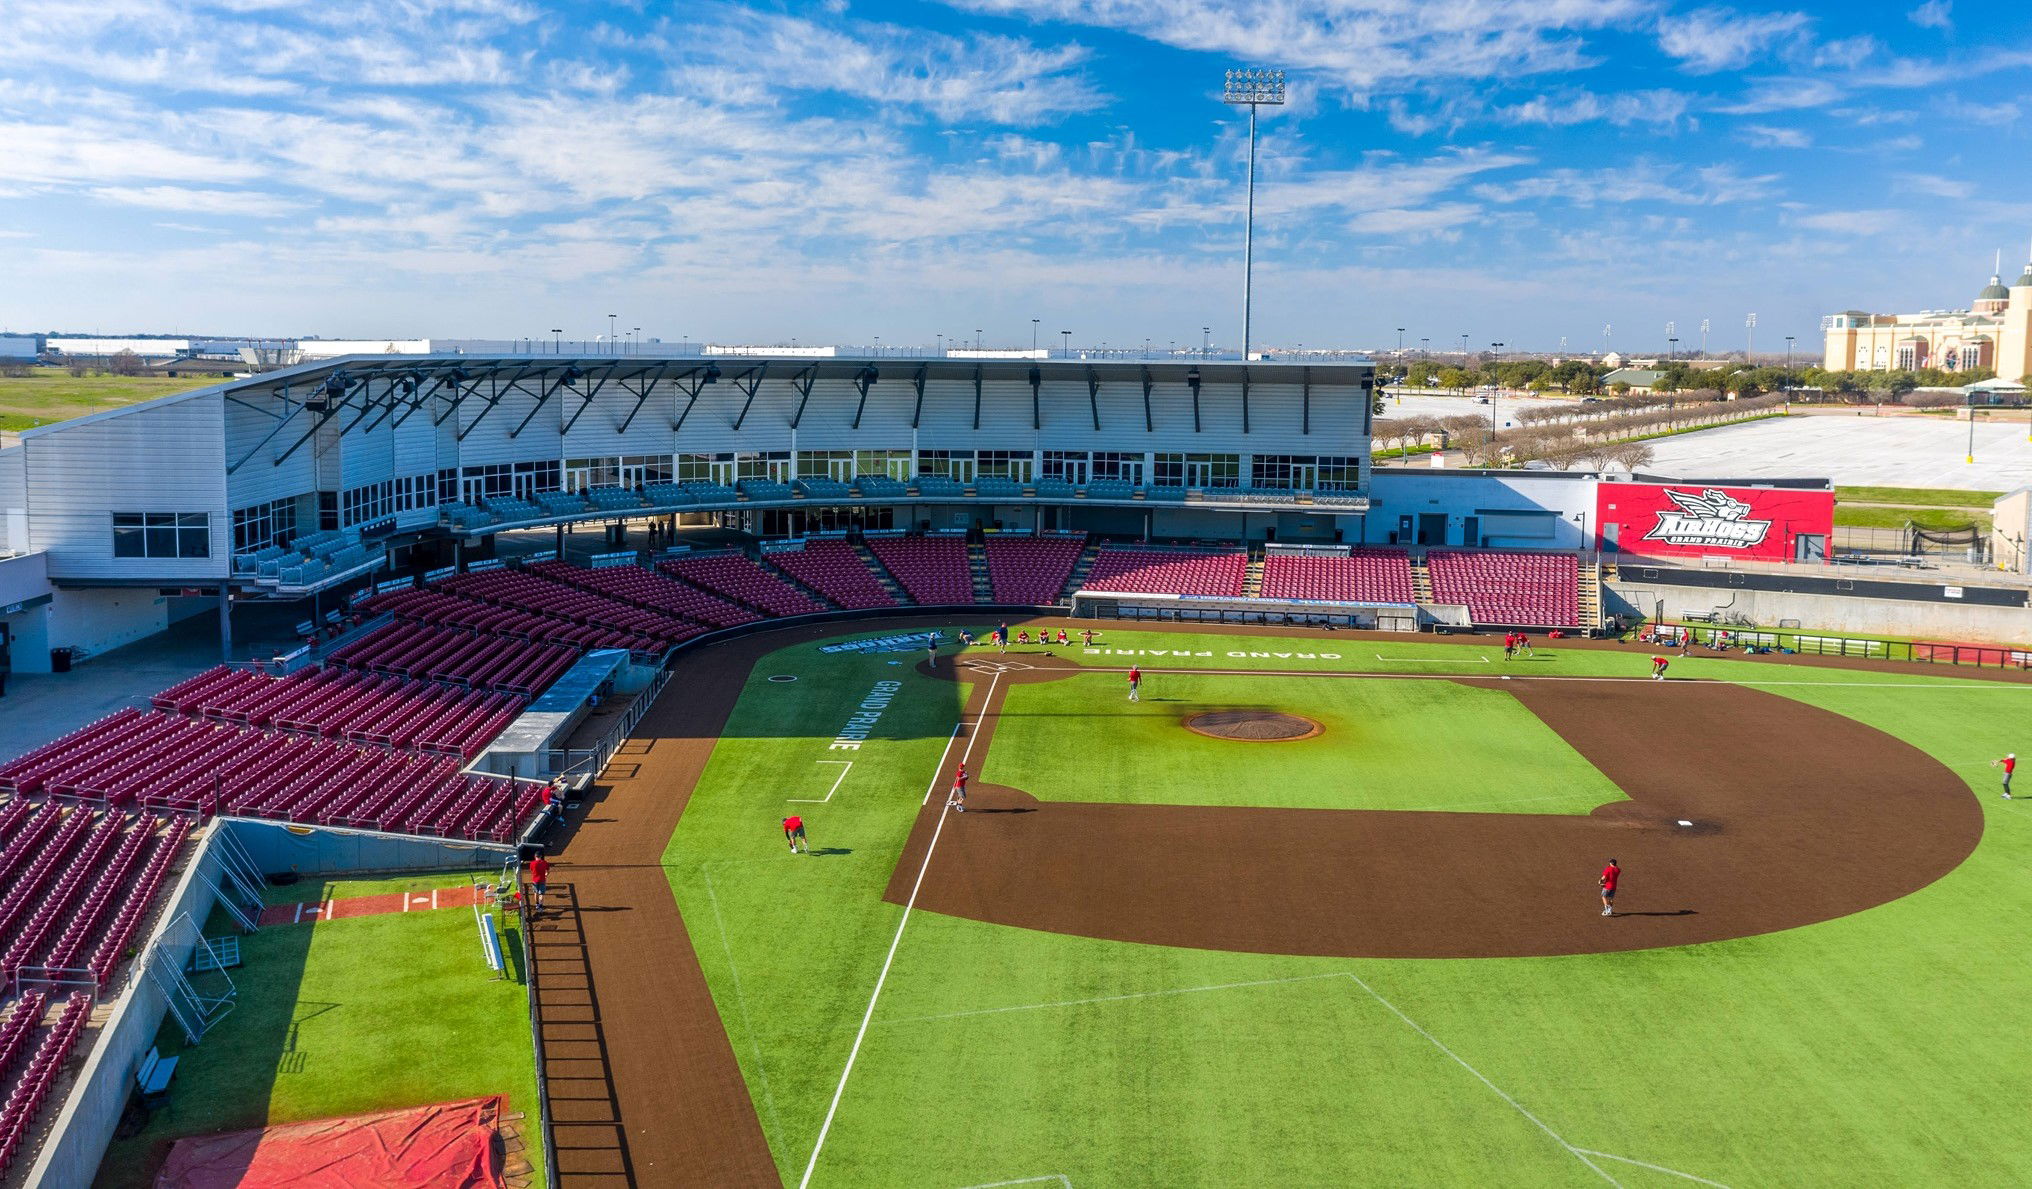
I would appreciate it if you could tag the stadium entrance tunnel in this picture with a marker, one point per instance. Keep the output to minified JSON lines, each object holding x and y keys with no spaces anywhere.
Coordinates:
{"x":1795,"y":815}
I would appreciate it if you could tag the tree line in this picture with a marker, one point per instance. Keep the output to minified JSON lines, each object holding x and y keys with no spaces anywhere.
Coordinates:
{"x":1592,"y":437}
{"x":1582,"y":378}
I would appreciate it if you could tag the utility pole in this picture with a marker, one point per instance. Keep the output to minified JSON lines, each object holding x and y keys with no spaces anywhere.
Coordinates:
{"x":1251,"y":89}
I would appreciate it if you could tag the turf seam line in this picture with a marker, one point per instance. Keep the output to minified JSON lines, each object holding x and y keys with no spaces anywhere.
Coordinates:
{"x":896,"y":942}
{"x":741,"y":997}
{"x":1653,"y":1167}
{"x":1060,"y":1177}
{"x":1519,"y":1107}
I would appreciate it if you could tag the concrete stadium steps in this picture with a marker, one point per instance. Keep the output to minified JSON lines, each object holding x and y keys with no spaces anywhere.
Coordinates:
{"x":977,"y":568}
{"x":1252,"y":578}
{"x":1590,"y":594}
{"x":1080,"y":570}
{"x":789,"y":579}
{"x":1421,"y":578}
{"x":882,"y":573}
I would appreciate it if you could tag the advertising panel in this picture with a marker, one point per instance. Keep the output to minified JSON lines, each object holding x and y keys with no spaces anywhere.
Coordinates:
{"x":1697,"y":520}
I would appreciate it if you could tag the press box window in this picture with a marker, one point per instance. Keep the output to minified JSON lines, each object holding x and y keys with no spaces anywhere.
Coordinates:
{"x":162,"y":534}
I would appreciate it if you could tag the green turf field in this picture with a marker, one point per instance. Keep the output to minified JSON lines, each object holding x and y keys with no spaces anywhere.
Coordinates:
{"x":47,"y":395}
{"x":1387,"y":744}
{"x":348,"y":1017}
{"x":1880,"y":1048}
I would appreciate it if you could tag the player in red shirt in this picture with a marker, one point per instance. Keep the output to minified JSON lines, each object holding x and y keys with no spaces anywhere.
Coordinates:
{"x":2009,"y":764}
{"x":1658,"y":666}
{"x":1611,"y":875}
{"x":1509,"y":644}
{"x":793,"y":832}
{"x":1135,"y":683}
{"x":539,"y":878}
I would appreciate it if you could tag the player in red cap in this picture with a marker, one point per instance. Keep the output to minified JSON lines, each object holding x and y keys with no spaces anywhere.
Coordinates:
{"x":793,"y":832}
{"x":539,"y":878}
{"x":1611,"y":875}
{"x":1135,"y":683}
{"x":1658,"y":666}
{"x":2009,"y":764}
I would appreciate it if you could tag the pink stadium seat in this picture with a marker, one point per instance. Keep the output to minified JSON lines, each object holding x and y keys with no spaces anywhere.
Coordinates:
{"x":933,"y":570}
{"x":1507,"y":587}
{"x":1032,"y":570}
{"x":835,"y":570}
{"x":1170,"y":571}
{"x":1363,"y":576}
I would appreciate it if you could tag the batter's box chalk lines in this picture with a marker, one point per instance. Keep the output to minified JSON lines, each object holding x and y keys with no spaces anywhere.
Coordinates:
{"x":896,"y":942}
{"x":1058,"y":1177}
{"x":849,"y":767}
{"x":1580,"y":1154}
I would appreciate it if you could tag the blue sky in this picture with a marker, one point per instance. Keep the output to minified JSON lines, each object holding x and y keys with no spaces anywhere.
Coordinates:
{"x":1518,"y":170}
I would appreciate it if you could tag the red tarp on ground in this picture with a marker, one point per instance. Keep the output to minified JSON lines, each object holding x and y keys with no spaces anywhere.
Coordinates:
{"x":445,"y":1144}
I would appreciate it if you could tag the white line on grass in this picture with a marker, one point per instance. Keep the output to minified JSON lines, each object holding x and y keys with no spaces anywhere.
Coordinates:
{"x":1497,"y":1090}
{"x":1060,"y":1177}
{"x":1444,"y":660}
{"x":1653,"y":1167}
{"x":996,"y":1011}
{"x":942,"y":755}
{"x":741,"y":997}
{"x":829,"y":792}
{"x":897,"y":941}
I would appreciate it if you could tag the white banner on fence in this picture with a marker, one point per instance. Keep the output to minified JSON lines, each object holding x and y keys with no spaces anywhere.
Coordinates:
{"x":782,"y":546}
{"x":541,"y":555}
{"x":439,"y":574}
{"x":481,"y":567}
{"x":394,"y":584}
{"x":607,"y":561}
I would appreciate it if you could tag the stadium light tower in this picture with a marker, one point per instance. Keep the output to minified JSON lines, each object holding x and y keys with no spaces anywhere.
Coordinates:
{"x":1750,"y":344}
{"x":1067,"y":336}
{"x":1671,"y":328}
{"x":1033,"y":334}
{"x":1251,"y":89}
{"x":1703,"y":338}
{"x":557,"y":340}
{"x":611,"y":349}
{"x":1206,"y":342}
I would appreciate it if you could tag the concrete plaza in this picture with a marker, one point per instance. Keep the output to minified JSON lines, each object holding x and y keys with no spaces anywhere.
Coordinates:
{"x":1866,"y":450}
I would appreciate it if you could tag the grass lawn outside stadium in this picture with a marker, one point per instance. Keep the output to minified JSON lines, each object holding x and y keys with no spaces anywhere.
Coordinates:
{"x":1875,"y":1047}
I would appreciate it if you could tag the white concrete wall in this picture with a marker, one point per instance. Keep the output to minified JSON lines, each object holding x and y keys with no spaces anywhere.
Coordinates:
{"x":99,"y":619}
{"x":164,"y":457}
{"x":1950,"y":623}
{"x":1570,"y":498}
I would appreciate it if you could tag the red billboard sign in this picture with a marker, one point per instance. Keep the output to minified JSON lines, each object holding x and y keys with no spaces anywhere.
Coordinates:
{"x":1696,"y":519}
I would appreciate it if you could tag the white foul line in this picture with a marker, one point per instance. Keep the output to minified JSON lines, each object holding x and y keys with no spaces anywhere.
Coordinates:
{"x":1060,"y":1177}
{"x":829,"y":792}
{"x":1653,"y":1167}
{"x":1458,"y":1060}
{"x":741,"y":997}
{"x":1445,"y":660}
{"x":897,"y":941}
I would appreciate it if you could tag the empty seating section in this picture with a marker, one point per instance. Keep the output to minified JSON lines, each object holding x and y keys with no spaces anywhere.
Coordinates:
{"x":998,"y":489}
{"x":637,"y":587}
{"x":823,"y":489}
{"x":1364,"y":576}
{"x":880,"y":486}
{"x":1111,"y":489}
{"x":394,"y":711}
{"x":1183,"y":572}
{"x":435,"y":606}
{"x":835,"y":570}
{"x":614,"y":499}
{"x":527,"y":592}
{"x":30,"y":1091}
{"x":940,"y":485}
{"x":481,"y":660}
{"x":736,"y":577}
{"x":765,"y":489}
{"x":1031,"y":570}
{"x":933,"y":570}
{"x":1515,"y":589}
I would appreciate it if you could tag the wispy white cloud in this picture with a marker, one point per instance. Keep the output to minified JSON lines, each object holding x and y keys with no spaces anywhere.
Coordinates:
{"x":1769,"y":136}
{"x":1934,"y":14}
{"x":1657,"y":107}
{"x":1707,"y":40}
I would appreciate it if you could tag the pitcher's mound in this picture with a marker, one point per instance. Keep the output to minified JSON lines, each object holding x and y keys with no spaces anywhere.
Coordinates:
{"x":1254,"y":726}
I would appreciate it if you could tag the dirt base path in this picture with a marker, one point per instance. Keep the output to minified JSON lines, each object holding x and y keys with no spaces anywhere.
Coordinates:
{"x":1799,"y":815}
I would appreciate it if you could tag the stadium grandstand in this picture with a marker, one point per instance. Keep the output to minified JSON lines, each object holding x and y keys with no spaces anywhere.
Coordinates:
{"x":477,"y":549}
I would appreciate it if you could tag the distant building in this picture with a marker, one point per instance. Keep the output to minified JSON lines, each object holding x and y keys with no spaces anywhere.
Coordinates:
{"x":1995,"y":332}
{"x":1639,"y":379}
{"x":20,"y":346}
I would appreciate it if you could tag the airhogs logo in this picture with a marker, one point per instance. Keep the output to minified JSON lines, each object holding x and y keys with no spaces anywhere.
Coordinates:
{"x":1710,"y":518}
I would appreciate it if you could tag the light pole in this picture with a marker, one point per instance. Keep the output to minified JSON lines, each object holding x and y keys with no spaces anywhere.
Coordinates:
{"x":1703,"y":338}
{"x":977,"y":338}
{"x":1251,"y":89}
{"x":1671,"y":328}
{"x":611,"y":349}
{"x":1067,"y":335}
{"x":636,"y":348}
{"x":1033,"y":334}
{"x":1750,"y":343}
{"x":1672,"y":348}
{"x":1205,"y":342}
{"x":1972,"y":427}
{"x":1464,"y":350}
{"x":1495,"y":396}
{"x":557,"y":340}
{"x":1400,"y":365}
{"x":1608,"y":330}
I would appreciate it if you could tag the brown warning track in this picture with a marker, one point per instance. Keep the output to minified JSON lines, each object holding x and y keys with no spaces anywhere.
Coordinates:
{"x":1855,"y":819}
{"x":1800,"y":816}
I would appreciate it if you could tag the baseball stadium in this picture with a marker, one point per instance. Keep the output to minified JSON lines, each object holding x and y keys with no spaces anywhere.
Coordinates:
{"x":777,"y":769}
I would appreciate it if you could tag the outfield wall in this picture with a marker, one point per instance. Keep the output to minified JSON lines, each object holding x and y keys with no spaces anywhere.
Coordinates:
{"x":1847,"y":614}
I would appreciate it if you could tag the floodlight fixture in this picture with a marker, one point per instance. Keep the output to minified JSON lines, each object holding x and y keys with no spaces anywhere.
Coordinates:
{"x":1251,"y":88}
